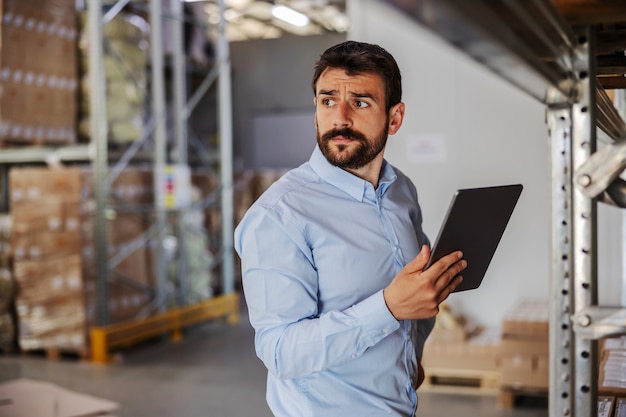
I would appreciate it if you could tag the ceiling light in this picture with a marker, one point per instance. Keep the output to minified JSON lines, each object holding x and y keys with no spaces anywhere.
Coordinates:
{"x":290,"y":16}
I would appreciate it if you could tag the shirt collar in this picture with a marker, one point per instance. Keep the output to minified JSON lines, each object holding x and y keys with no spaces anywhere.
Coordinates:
{"x":346,"y":181}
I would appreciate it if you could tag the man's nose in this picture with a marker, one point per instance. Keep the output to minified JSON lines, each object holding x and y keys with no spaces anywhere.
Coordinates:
{"x":342,"y":115}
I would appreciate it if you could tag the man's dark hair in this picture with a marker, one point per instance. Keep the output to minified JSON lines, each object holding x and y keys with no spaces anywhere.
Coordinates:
{"x":361,"y":58}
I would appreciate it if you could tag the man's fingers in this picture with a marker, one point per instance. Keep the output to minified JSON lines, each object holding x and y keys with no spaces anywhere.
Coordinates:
{"x":449,"y":289}
{"x":447,"y":275}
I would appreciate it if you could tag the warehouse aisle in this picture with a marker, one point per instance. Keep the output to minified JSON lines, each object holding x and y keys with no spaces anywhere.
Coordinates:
{"x":213,"y":372}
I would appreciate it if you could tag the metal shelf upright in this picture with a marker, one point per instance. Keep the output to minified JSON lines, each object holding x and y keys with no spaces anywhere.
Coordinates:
{"x":549,"y":52}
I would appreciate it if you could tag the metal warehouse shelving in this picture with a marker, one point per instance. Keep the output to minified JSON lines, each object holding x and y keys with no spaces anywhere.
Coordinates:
{"x":166,"y":319}
{"x":98,"y":154}
{"x":563,"y":53}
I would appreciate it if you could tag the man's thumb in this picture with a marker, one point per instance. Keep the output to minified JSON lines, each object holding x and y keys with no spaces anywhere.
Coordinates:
{"x":421,"y":260}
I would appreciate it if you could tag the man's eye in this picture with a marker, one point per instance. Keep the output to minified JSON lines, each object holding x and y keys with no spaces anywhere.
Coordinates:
{"x":361,"y":104}
{"x":328,"y":101}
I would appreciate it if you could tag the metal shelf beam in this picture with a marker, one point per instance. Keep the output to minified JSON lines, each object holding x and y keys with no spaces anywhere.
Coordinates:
{"x":70,"y":153}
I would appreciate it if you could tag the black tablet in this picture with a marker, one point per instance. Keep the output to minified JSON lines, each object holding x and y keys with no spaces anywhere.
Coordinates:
{"x":474,"y":224}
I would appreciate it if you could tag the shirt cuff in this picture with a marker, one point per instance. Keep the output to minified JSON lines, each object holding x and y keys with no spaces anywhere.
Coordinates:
{"x":375,"y":317}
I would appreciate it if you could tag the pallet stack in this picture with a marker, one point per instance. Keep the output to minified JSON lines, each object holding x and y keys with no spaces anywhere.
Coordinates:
{"x":524,"y":351}
{"x":126,"y":61}
{"x":53,"y":247}
{"x":460,"y":358}
{"x":38,"y":72}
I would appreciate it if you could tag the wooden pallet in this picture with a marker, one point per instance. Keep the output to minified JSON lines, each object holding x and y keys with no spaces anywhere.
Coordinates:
{"x":510,"y":397}
{"x":461,"y":381}
{"x":57,"y":354}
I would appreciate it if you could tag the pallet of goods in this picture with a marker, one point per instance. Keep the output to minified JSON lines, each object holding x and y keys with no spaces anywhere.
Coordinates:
{"x":460,"y":358}
{"x":52,"y":239}
{"x":524,"y":352}
{"x":38,"y":72}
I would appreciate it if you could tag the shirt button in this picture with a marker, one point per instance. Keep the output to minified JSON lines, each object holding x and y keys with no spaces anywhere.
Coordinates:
{"x":385,"y":331}
{"x":353,"y":356}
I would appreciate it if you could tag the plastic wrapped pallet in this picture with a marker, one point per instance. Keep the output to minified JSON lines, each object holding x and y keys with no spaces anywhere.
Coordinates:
{"x":524,"y":348}
{"x":126,"y":76}
{"x":54,"y":264}
{"x":456,"y":343}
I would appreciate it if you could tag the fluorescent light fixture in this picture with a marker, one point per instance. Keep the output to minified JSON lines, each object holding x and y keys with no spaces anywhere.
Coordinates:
{"x":290,"y":16}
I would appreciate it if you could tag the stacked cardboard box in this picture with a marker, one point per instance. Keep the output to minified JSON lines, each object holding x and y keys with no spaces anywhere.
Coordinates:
{"x":606,"y":406}
{"x":620,"y":407}
{"x":38,"y":72}
{"x":524,"y":346}
{"x":612,"y":406}
{"x":52,"y":240}
{"x":612,"y":378}
{"x":453,"y":349}
{"x":458,"y":345}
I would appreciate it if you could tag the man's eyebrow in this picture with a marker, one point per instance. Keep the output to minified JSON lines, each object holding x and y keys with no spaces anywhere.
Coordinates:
{"x":362,"y":95}
{"x":353,"y":94}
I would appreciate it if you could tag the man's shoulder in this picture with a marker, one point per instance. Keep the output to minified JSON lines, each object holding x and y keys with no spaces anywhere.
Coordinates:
{"x":291,"y":182}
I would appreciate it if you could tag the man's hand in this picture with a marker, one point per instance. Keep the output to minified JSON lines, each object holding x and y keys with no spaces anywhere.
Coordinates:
{"x":415,"y":293}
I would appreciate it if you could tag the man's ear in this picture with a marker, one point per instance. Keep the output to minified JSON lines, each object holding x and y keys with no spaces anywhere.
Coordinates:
{"x":396,"y":115}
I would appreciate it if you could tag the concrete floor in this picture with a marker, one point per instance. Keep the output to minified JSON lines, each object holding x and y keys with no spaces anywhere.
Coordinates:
{"x":213,"y":372}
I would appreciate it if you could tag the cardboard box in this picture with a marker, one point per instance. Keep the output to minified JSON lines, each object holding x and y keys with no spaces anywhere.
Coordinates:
{"x":46,"y":244}
{"x":48,"y":214}
{"x":605,"y":406}
{"x":36,"y":185}
{"x":620,"y":407}
{"x":53,"y":246}
{"x":39,"y":66}
{"x":522,"y":371}
{"x":58,"y":323}
{"x":612,"y":378}
{"x":52,"y":400}
{"x":451,"y":349}
{"x":41,"y":280}
{"x":524,"y":346}
{"x":527,"y":318}
{"x":124,"y":302}
{"x":446,"y":337}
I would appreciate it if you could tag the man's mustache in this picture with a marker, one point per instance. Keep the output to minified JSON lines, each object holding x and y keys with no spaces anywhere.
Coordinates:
{"x":345,"y":132}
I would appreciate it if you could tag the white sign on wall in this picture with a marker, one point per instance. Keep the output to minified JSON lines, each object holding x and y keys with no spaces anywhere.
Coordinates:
{"x":426,"y":147}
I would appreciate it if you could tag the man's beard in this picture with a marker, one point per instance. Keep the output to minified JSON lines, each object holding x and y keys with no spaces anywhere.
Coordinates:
{"x":345,"y":157}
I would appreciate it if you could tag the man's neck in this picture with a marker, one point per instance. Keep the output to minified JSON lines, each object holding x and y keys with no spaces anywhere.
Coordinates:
{"x":369,"y":172}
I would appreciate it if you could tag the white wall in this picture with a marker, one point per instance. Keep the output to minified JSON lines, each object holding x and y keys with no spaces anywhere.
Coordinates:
{"x":272,"y":85}
{"x":492,"y":134}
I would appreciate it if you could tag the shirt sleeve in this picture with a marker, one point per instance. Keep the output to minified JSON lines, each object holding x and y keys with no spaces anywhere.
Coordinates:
{"x":280,"y":287}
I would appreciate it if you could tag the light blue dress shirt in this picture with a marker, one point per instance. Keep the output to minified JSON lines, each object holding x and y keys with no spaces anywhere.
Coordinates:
{"x":317,"y":249}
